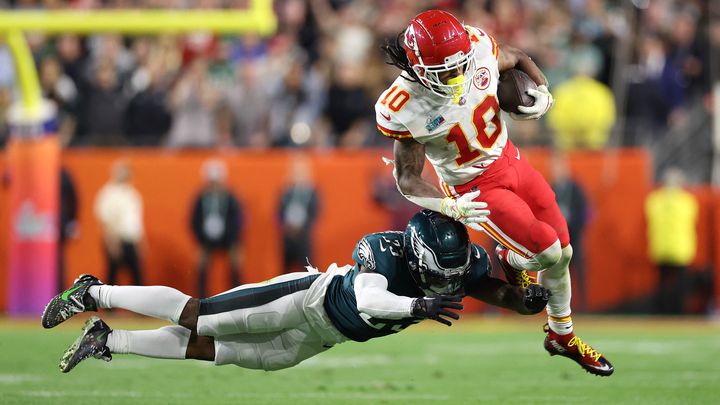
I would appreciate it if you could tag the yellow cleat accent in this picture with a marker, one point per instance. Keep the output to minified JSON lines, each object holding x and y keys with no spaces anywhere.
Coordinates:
{"x":525,"y":278}
{"x":584,"y":348}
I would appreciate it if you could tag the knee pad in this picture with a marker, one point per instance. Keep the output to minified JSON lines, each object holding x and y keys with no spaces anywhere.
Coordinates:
{"x":567,"y":253}
{"x":550,"y":256}
{"x":561,"y":266}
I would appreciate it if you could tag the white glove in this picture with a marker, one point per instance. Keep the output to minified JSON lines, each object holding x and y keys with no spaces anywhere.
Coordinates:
{"x":543,"y":102}
{"x":465,"y":210}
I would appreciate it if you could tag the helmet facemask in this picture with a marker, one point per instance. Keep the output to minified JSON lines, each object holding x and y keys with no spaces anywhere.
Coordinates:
{"x":430,"y":275}
{"x":457,"y":86}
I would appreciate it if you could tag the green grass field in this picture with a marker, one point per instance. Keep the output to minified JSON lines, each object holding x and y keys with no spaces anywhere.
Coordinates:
{"x":489,"y":360}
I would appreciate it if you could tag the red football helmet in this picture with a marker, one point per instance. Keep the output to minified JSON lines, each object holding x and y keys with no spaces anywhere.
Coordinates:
{"x":436,"y":42}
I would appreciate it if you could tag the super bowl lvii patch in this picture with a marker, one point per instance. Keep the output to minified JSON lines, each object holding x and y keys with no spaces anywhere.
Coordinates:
{"x":433,"y":123}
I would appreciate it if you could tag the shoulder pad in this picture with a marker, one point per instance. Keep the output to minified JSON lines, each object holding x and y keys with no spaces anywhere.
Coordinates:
{"x":387,"y":108}
{"x":364,"y":254}
{"x":479,"y":36}
{"x":372,"y":250}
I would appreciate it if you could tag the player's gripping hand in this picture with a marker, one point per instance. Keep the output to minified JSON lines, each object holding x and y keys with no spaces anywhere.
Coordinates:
{"x":536,"y":297}
{"x":465,"y":210}
{"x":437,"y":307}
{"x":543,"y":102}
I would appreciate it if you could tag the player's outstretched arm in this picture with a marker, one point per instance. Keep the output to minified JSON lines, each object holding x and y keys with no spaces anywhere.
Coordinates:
{"x":525,"y":301}
{"x":409,"y":163}
{"x":374,"y":299}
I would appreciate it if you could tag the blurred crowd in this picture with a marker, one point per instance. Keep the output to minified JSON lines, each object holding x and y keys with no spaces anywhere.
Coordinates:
{"x":314,"y":82}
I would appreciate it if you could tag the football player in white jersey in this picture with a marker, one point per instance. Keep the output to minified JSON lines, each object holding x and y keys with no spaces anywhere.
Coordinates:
{"x":444,"y":106}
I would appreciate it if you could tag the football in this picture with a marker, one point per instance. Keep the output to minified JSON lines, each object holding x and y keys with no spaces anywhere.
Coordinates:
{"x":512,"y":90}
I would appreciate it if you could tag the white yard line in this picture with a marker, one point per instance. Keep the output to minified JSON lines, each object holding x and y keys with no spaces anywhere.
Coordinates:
{"x":19,"y":378}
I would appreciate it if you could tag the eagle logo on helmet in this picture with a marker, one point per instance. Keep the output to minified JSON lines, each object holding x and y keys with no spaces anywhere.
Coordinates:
{"x":426,"y":256}
{"x":426,"y":268}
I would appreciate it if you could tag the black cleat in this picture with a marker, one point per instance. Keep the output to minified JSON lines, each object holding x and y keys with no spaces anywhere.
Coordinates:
{"x":70,"y":302}
{"x":90,"y":344}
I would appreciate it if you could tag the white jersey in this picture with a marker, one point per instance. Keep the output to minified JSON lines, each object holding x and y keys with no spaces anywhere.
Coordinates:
{"x":461,"y":140}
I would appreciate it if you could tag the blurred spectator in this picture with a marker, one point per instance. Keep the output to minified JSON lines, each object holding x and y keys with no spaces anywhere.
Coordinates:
{"x":68,"y":222}
{"x":349,"y":108}
{"x":147,"y":118}
{"x":102,"y":109}
{"x":298,"y":211}
{"x":59,"y":88}
{"x":671,"y":214}
{"x":194,"y":102}
{"x":508,"y":21}
{"x":119,"y":208}
{"x":347,"y":41}
{"x":600,"y":24}
{"x":657,"y":96}
{"x":72,"y":57}
{"x":587,"y":127}
{"x":7,"y":69}
{"x":297,"y":101}
{"x":110,"y":48}
{"x":216,"y":224}
{"x":7,"y":81}
{"x":249,"y":105}
{"x":5,"y":101}
{"x":689,"y":52}
{"x":574,"y":207}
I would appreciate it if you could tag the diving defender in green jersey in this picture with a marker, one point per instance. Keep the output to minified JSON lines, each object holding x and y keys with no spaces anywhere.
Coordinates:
{"x":398,"y":279}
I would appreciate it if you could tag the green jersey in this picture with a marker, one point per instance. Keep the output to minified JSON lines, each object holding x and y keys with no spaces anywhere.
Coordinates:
{"x":382,"y":253}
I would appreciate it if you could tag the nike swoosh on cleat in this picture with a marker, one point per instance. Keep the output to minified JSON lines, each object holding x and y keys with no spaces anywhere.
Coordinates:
{"x":67,"y":293}
{"x":558,"y":346}
{"x":77,"y":303}
{"x":605,"y":367}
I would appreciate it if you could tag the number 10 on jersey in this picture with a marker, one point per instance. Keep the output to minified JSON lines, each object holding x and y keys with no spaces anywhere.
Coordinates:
{"x":487,"y":128}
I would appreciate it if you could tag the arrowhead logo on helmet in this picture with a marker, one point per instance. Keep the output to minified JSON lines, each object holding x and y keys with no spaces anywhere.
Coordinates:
{"x":410,"y":41}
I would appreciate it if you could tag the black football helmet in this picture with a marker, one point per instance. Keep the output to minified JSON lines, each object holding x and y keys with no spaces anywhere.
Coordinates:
{"x":437,"y":250}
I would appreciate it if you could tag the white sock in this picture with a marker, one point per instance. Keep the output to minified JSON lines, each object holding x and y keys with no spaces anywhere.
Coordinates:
{"x":156,"y":301}
{"x":169,"y":342}
{"x":557,"y":279}
{"x":561,"y":326}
